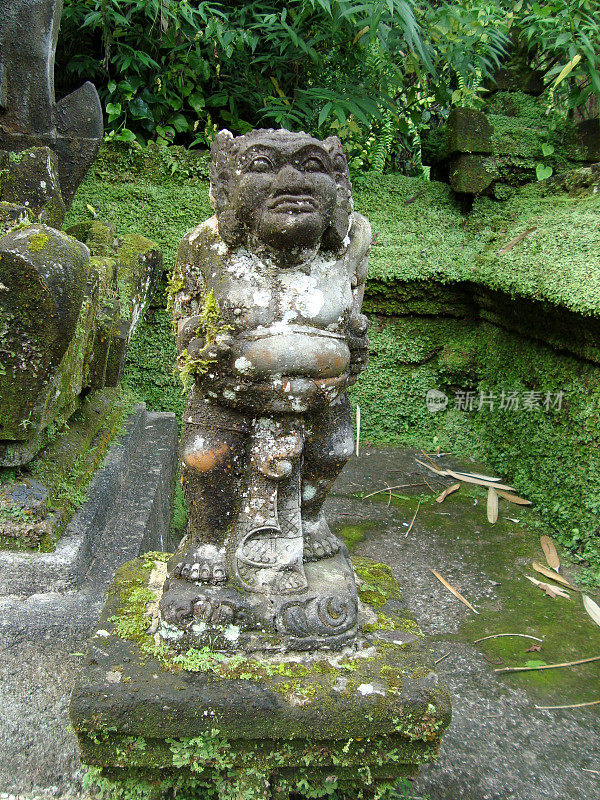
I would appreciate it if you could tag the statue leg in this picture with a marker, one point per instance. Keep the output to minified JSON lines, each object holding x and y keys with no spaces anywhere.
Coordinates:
{"x":213,"y":455}
{"x":329,"y":445}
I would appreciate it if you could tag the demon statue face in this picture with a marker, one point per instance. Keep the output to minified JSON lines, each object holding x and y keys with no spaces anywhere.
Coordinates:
{"x":281,"y":191}
{"x":267,"y":305}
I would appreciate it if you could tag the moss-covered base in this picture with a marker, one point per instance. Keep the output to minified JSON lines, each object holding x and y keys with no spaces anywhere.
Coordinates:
{"x":349,"y":724}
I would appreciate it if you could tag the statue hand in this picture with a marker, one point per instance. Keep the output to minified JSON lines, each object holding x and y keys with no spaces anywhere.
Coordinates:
{"x":219,"y":350}
{"x":187,"y":332}
{"x":358,"y":325}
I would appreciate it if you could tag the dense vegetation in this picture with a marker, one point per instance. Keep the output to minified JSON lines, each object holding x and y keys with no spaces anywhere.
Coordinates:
{"x":373,"y":72}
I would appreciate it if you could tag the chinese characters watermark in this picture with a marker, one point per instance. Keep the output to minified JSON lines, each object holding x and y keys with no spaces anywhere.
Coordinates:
{"x":467,"y":400}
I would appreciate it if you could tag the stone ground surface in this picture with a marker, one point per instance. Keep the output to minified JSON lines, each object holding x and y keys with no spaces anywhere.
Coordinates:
{"x":499,"y":746}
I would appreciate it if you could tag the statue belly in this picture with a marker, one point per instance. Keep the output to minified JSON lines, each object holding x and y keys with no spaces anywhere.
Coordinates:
{"x":308,"y":353}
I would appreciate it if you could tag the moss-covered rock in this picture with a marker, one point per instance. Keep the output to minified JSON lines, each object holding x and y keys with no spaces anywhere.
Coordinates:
{"x":30,"y":178}
{"x":46,"y":306}
{"x":311,"y":723}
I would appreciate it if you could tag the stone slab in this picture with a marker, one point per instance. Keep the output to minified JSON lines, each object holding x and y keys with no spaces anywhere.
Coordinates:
{"x":377,"y":707}
{"x":140,"y":466}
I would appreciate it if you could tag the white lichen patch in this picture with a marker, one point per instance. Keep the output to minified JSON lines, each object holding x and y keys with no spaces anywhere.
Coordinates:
{"x":308,"y":492}
{"x":243,"y":365}
{"x":232,"y":633}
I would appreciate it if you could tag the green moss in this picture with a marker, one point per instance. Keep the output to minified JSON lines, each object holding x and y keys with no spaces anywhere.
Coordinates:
{"x":68,"y":463}
{"x":353,"y":535}
{"x":378,"y":576}
{"x":210,"y":327}
{"x":38,"y":241}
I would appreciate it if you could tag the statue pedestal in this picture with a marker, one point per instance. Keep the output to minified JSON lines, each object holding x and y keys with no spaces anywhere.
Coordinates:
{"x":250,"y":727}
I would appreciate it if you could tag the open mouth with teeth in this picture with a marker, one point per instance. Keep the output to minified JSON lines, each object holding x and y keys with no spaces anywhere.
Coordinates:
{"x":292,"y":204}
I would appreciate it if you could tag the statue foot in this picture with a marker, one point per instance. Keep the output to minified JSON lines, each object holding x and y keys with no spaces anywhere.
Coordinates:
{"x":319,"y":541}
{"x":202,"y":564}
{"x":186,"y":608}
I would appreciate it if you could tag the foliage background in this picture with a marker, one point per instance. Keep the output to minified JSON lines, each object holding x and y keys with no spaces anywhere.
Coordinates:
{"x":373,"y":72}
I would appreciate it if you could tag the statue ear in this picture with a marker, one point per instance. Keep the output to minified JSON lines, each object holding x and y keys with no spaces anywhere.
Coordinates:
{"x":335,"y":235}
{"x":223,"y":153}
{"x":231,"y":228}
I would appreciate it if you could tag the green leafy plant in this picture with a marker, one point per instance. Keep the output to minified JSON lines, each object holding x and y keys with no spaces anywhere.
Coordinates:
{"x":561,"y":38}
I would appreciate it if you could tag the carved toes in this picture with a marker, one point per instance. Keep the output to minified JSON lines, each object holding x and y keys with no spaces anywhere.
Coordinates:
{"x":213,"y":611}
{"x":200,"y":570}
{"x":320,"y":546}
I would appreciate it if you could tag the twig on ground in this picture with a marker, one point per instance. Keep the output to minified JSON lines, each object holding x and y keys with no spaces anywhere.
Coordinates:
{"x":516,"y":240}
{"x":550,"y":666}
{"x":387,"y":489}
{"x":414,"y":197}
{"x":572,"y":705}
{"x":441,"y":659}
{"x":595,"y":771}
{"x":498,"y":635}
{"x":454,"y":591}
{"x":436,"y":468}
{"x":412,"y":522}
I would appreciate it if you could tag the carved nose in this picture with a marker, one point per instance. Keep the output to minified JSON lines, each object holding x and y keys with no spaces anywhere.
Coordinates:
{"x":288,"y":174}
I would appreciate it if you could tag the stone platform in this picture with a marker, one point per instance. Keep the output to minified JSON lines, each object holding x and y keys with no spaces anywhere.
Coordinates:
{"x":261,"y":727}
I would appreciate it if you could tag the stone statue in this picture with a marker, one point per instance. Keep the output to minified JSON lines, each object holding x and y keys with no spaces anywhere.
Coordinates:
{"x":267,"y":296}
{"x":29,"y":114}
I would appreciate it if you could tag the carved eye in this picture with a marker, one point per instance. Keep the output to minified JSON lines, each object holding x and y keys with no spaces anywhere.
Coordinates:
{"x":260,"y":164}
{"x":313,"y":164}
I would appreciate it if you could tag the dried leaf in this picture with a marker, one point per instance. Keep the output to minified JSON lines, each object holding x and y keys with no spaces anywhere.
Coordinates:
{"x":550,"y":573}
{"x":448,"y":490}
{"x":412,"y":522}
{"x":550,"y":552}
{"x":492,"y":505}
{"x":500,"y":635}
{"x":513,"y":498}
{"x":535,"y":648}
{"x":592,"y":608}
{"x":551,"y":591}
{"x":574,"y":705}
{"x":466,"y":478}
{"x":516,"y":240}
{"x":454,"y":591}
{"x":487,"y":478}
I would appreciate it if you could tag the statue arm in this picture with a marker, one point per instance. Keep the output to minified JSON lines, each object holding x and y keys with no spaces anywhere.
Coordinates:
{"x":189,"y":295}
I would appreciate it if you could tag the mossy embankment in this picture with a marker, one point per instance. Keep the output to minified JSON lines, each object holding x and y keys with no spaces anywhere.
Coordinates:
{"x":501,"y":298}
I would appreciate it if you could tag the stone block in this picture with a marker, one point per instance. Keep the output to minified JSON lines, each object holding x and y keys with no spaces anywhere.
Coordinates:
{"x":12,"y":215}
{"x":589,"y":134}
{"x":126,"y":511}
{"x":116,"y":353}
{"x":352,"y":721}
{"x":139,"y":266}
{"x":470,"y":174}
{"x":468,"y":131}
{"x":30,"y":178}
{"x":46,"y":307}
{"x":520,"y":78}
{"x":106,"y":327}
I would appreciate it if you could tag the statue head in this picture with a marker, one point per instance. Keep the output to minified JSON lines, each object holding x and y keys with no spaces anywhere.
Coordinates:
{"x":284,"y":191}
